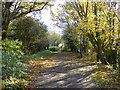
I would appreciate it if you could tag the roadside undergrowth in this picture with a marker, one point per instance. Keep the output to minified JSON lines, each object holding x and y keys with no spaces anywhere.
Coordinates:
{"x":34,"y":67}
{"x":104,"y":75}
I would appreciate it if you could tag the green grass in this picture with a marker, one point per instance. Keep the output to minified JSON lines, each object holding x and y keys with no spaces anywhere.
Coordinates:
{"x":41,"y":54}
{"x":54,"y":48}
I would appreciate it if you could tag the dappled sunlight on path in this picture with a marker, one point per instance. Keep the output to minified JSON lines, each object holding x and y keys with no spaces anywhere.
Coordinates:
{"x":65,"y":72}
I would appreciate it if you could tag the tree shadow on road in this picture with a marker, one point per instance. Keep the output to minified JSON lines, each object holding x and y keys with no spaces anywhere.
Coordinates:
{"x":68,"y":73}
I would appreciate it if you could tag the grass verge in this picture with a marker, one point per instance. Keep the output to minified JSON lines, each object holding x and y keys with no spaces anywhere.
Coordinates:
{"x":40,"y":55}
{"x":106,"y":76}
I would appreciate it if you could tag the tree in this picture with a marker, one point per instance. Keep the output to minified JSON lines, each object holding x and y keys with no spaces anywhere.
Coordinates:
{"x":30,"y":32}
{"x":54,"y":38}
{"x":69,"y":18}
{"x":71,"y":39}
{"x":93,"y":25}
{"x":98,"y":23}
{"x":14,"y":10}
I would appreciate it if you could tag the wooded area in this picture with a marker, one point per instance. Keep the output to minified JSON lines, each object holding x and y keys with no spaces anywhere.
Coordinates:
{"x":90,"y":29}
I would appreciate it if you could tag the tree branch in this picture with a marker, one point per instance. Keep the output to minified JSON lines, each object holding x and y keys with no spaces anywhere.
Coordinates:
{"x":31,"y":10}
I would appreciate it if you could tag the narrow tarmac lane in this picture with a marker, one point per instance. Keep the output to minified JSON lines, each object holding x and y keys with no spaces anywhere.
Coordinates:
{"x":66,"y":72}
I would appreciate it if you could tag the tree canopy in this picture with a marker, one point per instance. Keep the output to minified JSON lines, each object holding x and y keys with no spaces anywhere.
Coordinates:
{"x":14,"y":10}
{"x":91,"y":25}
{"x":30,"y":32}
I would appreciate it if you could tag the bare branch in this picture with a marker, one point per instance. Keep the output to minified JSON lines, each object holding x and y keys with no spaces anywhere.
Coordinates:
{"x":31,"y":10}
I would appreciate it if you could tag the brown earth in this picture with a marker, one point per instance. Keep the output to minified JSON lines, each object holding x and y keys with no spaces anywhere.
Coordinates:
{"x":65,"y":71}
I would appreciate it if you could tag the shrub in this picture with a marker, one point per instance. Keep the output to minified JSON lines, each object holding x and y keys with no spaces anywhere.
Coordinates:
{"x":13,"y":47}
{"x":11,"y":64}
{"x":54,"y":48}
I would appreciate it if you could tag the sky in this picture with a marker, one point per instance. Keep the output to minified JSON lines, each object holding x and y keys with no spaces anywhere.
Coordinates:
{"x":46,"y":17}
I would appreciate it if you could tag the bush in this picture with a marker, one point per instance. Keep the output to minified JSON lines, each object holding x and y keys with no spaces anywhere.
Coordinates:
{"x":11,"y":64}
{"x":13,"y":47}
{"x":54,"y":48}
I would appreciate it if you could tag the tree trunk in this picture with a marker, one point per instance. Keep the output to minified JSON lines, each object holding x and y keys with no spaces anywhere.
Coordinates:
{"x":114,"y":54}
{"x":119,"y":64}
{"x":80,"y":50}
{"x":80,"y":47}
{"x":98,"y":57}
{"x":4,"y":32}
{"x":101,"y":57}
{"x":5,"y":25}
